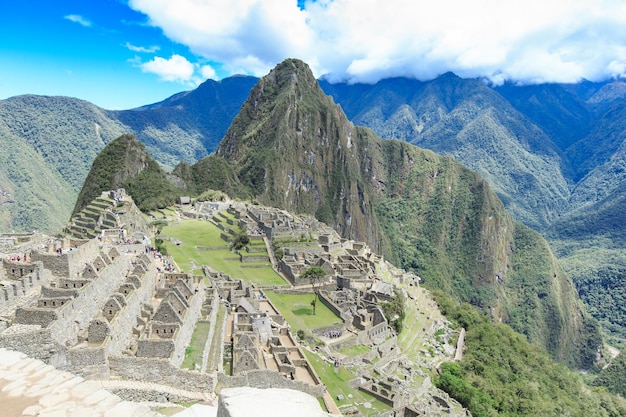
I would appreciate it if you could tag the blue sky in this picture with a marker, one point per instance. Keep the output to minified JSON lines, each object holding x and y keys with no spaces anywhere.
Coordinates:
{"x":120,"y":54}
{"x":83,"y":49}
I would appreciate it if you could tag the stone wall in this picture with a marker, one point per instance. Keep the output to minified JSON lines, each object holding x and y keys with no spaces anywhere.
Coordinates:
{"x":69,"y":264}
{"x":253,"y":258}
{"x":153,"y":395}
{"x":82,"y":360}
{"x":74,"y":317}
{"x":17,"y":270}
{"x":31,"y":340}
{"x":160,"y":371}
{"x":124,"y":322}
{"x":19,"y":278}
{"x":192,"y":315}
{"x":263,"y":378}
{"x":346,"y":317}
{"x":53,"y":292}
{"x":35,"y":316}
{"x":155,"y":348}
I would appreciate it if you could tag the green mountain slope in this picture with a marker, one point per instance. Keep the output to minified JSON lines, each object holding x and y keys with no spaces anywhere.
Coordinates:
{"x":187,"y":126}
{"x":55,"y":140}
{"x":560,"y":110}
{"x":477,"y":126}
{"x":68,"y":133}
{"x":613,"y":377}
{"x":603,"y":141}
{"x":292,"y":147}
{"x":32,"y":195}
{"x":590,"y":240}
{"x":124,"y":163}
{"x":502,"y":374}
{"x":49,"y":144}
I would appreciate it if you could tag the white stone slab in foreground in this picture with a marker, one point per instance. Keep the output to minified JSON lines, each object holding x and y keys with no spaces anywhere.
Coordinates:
{"x":272,"y":402}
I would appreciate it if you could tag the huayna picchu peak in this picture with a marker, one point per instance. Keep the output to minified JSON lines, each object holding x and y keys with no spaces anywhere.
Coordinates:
{"x":292,"y":147}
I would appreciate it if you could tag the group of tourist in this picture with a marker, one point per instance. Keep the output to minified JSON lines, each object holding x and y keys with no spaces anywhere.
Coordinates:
{"x":333,"y":334}
{"x":17,"y":258}
{"x":167,"y":266}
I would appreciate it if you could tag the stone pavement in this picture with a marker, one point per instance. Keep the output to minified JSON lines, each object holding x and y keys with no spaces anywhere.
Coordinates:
{"x":29,"y":387}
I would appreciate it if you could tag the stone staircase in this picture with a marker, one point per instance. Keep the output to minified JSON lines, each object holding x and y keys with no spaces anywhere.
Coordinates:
{"x":97,"y":216}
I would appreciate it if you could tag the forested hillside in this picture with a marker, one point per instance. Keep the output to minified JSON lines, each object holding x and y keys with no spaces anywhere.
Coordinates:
{"x":293,"y":148}
{"x":51,"y":142}
{"x":553,"y":153}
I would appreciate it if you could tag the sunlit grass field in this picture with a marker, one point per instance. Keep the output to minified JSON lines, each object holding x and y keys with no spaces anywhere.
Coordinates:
{"x":201,"y":244}
{"x":193,"y":353}
{"x":298,"y":311}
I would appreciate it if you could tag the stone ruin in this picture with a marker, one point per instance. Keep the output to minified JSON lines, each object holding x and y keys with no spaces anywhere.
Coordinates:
{"x":260,"y":337}
{"x":102,"y":309}
{"x":98,"y":310}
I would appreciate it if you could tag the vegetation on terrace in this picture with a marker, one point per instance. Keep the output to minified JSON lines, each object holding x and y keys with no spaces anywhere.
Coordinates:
{"x":298,"y":311}
{"x":337,"y":381}
{"x":193,"y":353}
{"x":502,"y":374}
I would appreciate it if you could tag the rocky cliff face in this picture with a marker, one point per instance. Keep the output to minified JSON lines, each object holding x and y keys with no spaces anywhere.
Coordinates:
{"x":292,"y":147}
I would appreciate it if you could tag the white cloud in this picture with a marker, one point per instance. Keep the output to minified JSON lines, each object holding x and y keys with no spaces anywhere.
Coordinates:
{"x":366,"y":40}
{"x":142,"y":49}
{"x":176,"y":69}
{"x":78,"y":19}
{"x":207,"y":72}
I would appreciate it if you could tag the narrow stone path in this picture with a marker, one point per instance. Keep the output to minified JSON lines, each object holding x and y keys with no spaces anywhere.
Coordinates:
{"x":460,"y":346}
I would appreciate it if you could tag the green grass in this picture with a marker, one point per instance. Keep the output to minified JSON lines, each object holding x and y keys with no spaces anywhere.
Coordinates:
{"x":193,"y":353}
{"x":196,"y":233}
{"x":218,"y":340}
{"x":337,"y":382}
{"x":297,"y":310}
{"x":356,"y":350}
{"x":412,"y":324}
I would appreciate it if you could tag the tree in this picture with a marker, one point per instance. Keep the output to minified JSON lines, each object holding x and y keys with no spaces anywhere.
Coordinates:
{"x":240,"y":240}
{"x":315,"y":274}
{"x":394,"y":311}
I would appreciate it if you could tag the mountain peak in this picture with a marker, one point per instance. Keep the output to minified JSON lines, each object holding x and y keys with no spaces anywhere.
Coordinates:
{"x":279,"y":102}
{"x":291,"y":70}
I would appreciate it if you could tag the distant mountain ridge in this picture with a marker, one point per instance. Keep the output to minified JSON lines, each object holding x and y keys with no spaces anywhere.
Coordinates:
{"x":531,"y":143}
{"x":552,"y":152}
{"x":51,"y":142}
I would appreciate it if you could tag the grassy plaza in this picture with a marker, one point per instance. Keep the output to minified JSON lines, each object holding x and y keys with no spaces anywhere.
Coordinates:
{"x":298,"y":311}
{"x":201,"y":244}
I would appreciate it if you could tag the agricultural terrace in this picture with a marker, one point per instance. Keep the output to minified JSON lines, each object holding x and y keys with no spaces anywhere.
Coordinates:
{"x":198,"y":243}
{"x":193,"y":353}
{"x":337,"y":381}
